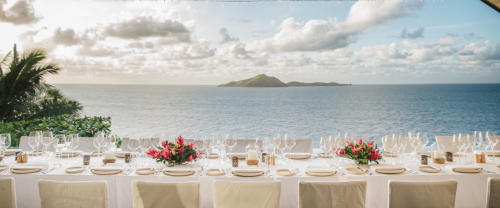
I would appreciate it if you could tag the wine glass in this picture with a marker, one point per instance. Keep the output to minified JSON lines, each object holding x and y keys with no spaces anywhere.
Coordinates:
{"x":5,"y":141}
{"x":322,"y":144}
{"x":230,"y":143}
{"x":74,"y":141}
{"x":277,"y":146}
{"x":36,"y":137}
{"x":60,"y":143}
{"x":47,"y":139}
{"x":291,"y":144}
{"x":133,"y":145}
{"x":99,"y":142}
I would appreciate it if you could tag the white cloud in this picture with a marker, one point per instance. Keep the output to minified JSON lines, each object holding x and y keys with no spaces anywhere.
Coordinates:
{"x":142,"y":27}
{"x":418,"y":33}
{"x":330,"y":34}
{"x":225,"y":36}
{"x":20,"y":13}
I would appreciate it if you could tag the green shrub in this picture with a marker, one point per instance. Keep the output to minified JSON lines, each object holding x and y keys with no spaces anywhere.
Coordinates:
{"x":62,"y":124}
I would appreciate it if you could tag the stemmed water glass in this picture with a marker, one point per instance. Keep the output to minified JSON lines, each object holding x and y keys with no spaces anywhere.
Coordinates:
{"x":60,"y":143}
{"x":99,"y":142}
{"x":322,"y":145}
{"x":230,"y":143}
{"x":47,"y":139}
{"x":35,"y":140}
{"x":5,"y":141}
{"x":277,"y":146}
{"x":74,"y":142}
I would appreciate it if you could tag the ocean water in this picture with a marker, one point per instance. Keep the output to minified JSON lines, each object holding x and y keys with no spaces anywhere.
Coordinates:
{"x":367,"y":111}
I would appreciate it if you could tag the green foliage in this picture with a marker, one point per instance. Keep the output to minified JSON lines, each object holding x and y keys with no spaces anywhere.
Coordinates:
{"x":54,"y":103}
{"x":62,"y":124}
{"x":23,"y":91}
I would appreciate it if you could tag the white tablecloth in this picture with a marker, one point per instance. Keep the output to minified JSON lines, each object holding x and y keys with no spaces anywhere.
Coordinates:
{"x":471,"y":190}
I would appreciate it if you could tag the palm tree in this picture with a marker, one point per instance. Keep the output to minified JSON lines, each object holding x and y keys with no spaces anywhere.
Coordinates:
{"x":22,"y":83}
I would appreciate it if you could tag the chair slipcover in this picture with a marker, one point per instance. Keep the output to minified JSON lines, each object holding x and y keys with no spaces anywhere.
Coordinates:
{"x":493,"y":194}
{"x":62,"y":194}
{"x":126,"y":141}
{"x":7,"y":193}
{"x":230,"y":194}
{"x":447,"y":143}
{"x":157,"y":195}
{"x":241,"y":145}
{"x":23,"y":143}
{"x":303,"y":145}
{"x":422,"y":194}
{"x":349,"y":194}
{"x":197,"y":142}
{"x":86,"y":144}
{"x":497,"y":146}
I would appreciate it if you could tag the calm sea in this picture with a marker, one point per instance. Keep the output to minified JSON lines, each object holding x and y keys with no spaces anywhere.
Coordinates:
{"x":368,"y":111}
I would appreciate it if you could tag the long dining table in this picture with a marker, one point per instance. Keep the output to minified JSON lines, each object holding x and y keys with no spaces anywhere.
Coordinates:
{"x":471,"y":191}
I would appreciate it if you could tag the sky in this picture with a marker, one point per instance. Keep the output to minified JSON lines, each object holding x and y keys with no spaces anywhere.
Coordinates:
{"x":212,"y":42}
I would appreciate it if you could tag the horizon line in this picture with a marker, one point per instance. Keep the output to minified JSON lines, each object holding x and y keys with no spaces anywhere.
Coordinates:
{"x":215,"y":85}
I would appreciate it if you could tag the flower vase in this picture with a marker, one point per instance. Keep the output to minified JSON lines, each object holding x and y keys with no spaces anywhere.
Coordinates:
{"x":362,"y":162}
{"x":178,"y":165}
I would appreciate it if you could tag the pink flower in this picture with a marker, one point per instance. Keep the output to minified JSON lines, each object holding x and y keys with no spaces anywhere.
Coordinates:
{"x":371,"y":143}
{"x":180,"y":140}
{"x":190,"y":158}
{"x":372,"y":150}
{"x":360,"y":141}
{"x":164,"y":144}
{"x":191,"y":146}
{"x":151,"y":152}
{"x":181,"y":150}
{"x":341,"y":152}
{"x":355,"y":150}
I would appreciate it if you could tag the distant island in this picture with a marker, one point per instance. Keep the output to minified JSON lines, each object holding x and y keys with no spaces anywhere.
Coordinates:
{"x":263,"y":80}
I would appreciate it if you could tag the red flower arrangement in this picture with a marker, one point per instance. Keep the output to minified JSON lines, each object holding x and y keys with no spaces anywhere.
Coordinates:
{"x":362,"y":152}
{"x":174,"y":153}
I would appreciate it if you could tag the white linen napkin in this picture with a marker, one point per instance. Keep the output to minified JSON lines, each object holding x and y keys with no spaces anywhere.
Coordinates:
{"x":298,"y":156}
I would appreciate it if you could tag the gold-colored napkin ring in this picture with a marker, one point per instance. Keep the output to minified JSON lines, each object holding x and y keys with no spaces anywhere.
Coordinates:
{"x":324,"y":155}
{"x":321,"y":174}
{"x":35,"y":153}
{"x":105,"y":172}
{"x":96,"y":154}
{"x":74,"y":169}
{"x":429,"y":169}
{"x":144,"y":171}
{"x":25,"y":171}
{"x":212,"y":155}
{"x":285,"y":172}
{"x":178,"y":173}
{"x":215,"y":172}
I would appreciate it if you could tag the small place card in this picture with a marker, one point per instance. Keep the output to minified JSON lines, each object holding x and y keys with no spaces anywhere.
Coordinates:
{"x":86,"y":159}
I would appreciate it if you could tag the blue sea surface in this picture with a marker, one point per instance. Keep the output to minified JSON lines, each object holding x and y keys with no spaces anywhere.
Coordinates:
{"x":367,"y":111}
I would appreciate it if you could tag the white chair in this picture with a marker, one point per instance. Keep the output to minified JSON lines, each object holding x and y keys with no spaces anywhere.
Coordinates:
{"x":445,"y":144}
{"x":493,"y":193}
{"x":497,"y":146}
{"x":350,"y":194}
{"x":23,"y":143}
{"x":303,"y":146}
{"x":86,"y":144}
{"x":7,"y":193}
{"x":157,"y":195}
{"x":422,"y":194}
{"x":197,"y":142}
{"x":126,"y":141}
{"x":241,"y":145}
{"x":62,"y":194}
{"x":230,"y":194}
